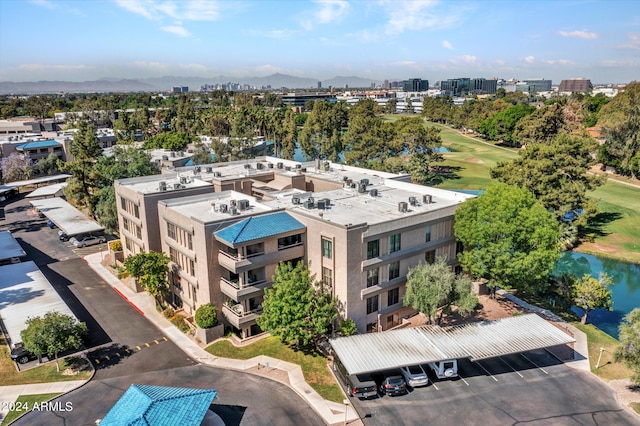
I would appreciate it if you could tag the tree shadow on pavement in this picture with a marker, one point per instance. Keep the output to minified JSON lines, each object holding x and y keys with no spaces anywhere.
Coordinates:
{"x":231,"y":414}
{"x":108,"y":356}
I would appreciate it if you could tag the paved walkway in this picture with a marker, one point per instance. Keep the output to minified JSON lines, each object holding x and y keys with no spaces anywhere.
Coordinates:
{"x":9,"y":394}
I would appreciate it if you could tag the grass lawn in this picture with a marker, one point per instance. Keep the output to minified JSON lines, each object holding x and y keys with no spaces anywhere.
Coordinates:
{"x":635,"y":406}
{"x":608,"y":369}
{"x":43,"y":374}
{"x":314,"y":367}
{"x":24,"y":404}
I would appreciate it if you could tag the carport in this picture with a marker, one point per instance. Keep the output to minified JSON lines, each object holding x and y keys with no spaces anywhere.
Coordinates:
{"x":25,"y":292}
{"x":70,"y":220}
{"x":391,"y":349}
{"x":9,"y":247}
{"x":54,"y":190}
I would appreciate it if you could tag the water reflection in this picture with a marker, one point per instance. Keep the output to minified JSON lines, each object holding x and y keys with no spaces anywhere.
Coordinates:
{"x":625,"y":289}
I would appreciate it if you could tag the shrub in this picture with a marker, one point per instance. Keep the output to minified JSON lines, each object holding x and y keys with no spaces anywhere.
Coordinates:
{"x":115,"y":245}
{"x":206,"y":316}
{"x":347,"y":327}
{"x":169,"y":313}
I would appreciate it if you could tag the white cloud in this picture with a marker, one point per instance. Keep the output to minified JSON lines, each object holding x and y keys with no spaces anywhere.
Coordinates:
{"x":447,"y":45}
{"x":416,"y":15}
{"x":530,"y":59}
{"x":188,"y":10}
{"x":465,"y":59}
{"x":327,"y":12}
{"x":44,"y":3}
{"x":579,"y":34}
{"x":633,"y":42}
{"x":53,"y":67}
{"x":177,"y":30}
{"x":559,"y":62}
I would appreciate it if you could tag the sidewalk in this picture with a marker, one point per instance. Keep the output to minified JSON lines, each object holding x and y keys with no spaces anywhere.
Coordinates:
{"x":8,"y":394}
{"x":332,"y":413}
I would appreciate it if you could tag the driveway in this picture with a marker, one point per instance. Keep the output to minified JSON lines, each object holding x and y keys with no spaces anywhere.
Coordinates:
{"x":532,"y":388}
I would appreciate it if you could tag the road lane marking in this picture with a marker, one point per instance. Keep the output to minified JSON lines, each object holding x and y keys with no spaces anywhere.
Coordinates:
{"x":485,"y":370}
{"x":147,"y":345}
{"x":156,"y":342}
{"x":139,"y":348}
{"x":165,"y":339}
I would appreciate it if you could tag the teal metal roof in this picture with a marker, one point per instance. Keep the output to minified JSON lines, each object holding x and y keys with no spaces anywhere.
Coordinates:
{"x":143,"y":405}
{"x":256,"y":227}
{"x":38,"y":144}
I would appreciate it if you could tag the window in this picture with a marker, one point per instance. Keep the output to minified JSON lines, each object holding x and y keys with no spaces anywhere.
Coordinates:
{"x":327,"y":248}
{"x":195,"y":294}
{"x":372,"y":277}
{"x":372,"y":304}
{"x":459,"y":247}
{"x":174,"y":256}
{"x":192,"y":268}
{"x":430,"y":257}
{"x":327,"y":277}
{"x":394,"y":270}
{"x":373,"y":249}
{"x":394,"y":243}
{"x":393,"y":296}
{"x":171,"y":231}
{"x":428,"y":234}
{"x":291,"y":240}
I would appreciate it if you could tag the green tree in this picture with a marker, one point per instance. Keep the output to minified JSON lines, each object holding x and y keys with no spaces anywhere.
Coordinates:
{"x":431,"y":286}
{"x":206,"y":316}
{"x":589,"y":293}
{"x":347,"y":327}
{"x":542,"y":125}
{"x":53,"y":333}
{"x":501,"y":126}
{"x":295,"y":307}
{"x":629,"y":349}
{"x":321,"y":135}
{"x":49,"y":165}
{"x":510,"y":239}
{"x":171,"y":141}
{"x":289,"y":136}
{"x":201,"y":154}
{"x":556,"y":173}
{"x":85,"y":150}
{"x":150,"y":269}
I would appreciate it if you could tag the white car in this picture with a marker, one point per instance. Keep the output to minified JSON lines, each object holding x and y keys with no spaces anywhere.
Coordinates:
{"x":415,"y":376}
{"x":88,"y":240}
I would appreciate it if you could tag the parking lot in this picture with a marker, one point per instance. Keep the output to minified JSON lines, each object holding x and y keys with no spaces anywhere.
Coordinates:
{"x":499,"y":391}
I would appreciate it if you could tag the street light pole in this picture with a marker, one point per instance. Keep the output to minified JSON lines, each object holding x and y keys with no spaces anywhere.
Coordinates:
{"x":599,"y":357}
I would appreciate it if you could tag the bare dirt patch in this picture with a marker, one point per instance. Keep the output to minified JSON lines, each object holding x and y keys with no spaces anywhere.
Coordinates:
{"x":474,"y":160}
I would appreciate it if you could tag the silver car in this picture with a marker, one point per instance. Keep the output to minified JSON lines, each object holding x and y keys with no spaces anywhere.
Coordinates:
{"x":89,"y":240}
{"x":415,"y":376}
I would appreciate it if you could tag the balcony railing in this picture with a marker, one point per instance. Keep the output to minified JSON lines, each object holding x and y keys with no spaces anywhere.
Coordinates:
{"x":239,"y":318}
{"x":238,"y":257}
{"x":236,"y":283}
{"x":284,"y":247}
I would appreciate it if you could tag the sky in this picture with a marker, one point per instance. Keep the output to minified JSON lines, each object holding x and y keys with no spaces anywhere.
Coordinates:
{"x":87,"y":40}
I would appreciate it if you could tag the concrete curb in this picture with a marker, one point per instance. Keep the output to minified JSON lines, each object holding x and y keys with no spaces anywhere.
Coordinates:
{"x":331,"y":412}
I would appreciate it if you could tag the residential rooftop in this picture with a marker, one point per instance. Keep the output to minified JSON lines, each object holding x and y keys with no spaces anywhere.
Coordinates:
{"x":154,"y":183}
{"x":217,"y":206}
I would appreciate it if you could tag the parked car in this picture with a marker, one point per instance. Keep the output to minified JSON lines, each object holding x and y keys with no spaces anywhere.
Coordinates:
{"x":361,"y":386}
{"x":415,"y":376}
{"x":50,"y":224}
{"x":21,"y":355}
{"x":62,"y":236}
{"x":446,"y":369}
{"x":394,"y":385}
{"x":89,"y":240}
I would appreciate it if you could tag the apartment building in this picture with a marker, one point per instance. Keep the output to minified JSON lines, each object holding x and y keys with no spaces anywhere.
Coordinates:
{"x":359,"y":231}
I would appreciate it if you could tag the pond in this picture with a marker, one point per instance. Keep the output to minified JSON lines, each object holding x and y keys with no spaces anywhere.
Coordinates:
{"x":625,"y":289}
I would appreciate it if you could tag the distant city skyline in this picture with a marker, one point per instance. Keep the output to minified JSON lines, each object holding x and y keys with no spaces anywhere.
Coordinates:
{"x":378,"y":40}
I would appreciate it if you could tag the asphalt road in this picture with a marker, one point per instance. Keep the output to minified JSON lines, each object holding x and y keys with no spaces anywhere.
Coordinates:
{"x":242,"y":398}
{"x":534,"y":389}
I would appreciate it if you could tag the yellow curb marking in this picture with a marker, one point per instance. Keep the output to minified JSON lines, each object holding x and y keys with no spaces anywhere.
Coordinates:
{"x":147,"y":345}
{"x":97,"y":361}
{"x":107,"y":357}
{"x":139,"y":348}
{"x":118,"y":354}
{"x":156,"y":342}
{"x":165,"y":339}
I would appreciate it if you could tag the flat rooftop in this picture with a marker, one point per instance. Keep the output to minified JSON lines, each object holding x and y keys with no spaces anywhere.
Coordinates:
{"x":46,"y":191}
{"x":25,"y":292}
{"x":153,"y":184}
{"x":66,"y":217}
{"x":209,"y":207}
{"x":9,"y":247}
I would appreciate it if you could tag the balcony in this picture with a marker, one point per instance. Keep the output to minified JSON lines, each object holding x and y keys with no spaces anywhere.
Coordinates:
{"x":239,"y":291}
{"x":239,"y":263}
{"x":238,"y":318}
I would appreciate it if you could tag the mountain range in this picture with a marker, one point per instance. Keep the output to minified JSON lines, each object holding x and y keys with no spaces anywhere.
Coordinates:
{"x":154,"y":84}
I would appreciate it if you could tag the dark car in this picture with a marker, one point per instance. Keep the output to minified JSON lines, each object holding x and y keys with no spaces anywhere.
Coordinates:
{"x":21,"y":355}
{"x":394,"y":385}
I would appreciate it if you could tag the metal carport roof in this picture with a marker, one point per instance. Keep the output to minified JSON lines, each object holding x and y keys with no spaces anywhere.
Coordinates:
{"x":66,"y":217}
{"x":9,"y":247}
{"x":420,"y":345}
{"x":49,"y":190}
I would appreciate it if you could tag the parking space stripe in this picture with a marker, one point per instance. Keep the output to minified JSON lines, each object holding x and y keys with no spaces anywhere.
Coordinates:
{"x":485,"y":370}
{"x":434,"y":385}
{"x":542,"y":369}
{"x":462,"y":378}
{"x":514,"y":370}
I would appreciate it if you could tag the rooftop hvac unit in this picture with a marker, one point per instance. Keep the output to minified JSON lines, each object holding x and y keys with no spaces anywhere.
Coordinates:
{"x":298,"y":166}
{"x":303,"y":170}
{"x":308,"y":204}
{"x":208,"y":169}
{"x":364,"y":182}
{"x":162,"y":185}
{"x":270,"y":166}
{"x":243,"y":204}
{"x":352,"y":185}
{"x":345,"y":178}
{"x":233,"y":211}
{"x":362,"y":188}
{"x":223,"y":208}
{"x":288,"y":168}
{"x":183,"y":179}
{"x":233,"y":203}
{"x":321,"y":205}
{"x":213,"y":206}
{"x":413,"y":201}
{"x":165,"y":158}
{"x":373,"y":192}
{"x":217,"y":174}
{"x":172,"y":154}
{"x":259,"y":166}
{"x":427,"y":199}
{"x":403,"y":207}
{"x":181,"y":154}
{"x":176,"y":185}
{"x":280,"y":165}
{"x":326,"y":166}
{"x":197,"y":169}
{"x":349,"y":182}
{"x":311,"y":200}
{"x":295,"y":200}
{"x":247,"y":166}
